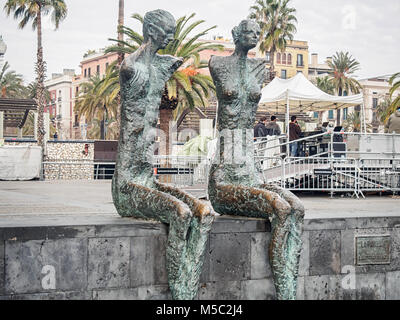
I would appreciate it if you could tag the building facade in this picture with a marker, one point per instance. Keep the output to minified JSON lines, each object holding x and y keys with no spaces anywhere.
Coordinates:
{"x":376,"y":91}
{"x":93,"y":64}
{"x":61,"y":102}
{"x":292,"y":60}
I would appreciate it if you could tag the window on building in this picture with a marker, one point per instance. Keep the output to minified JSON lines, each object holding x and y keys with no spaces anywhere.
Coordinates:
{"x":278,"y":58}
{"x":345,"y":113}
{"x":316,"y":114}
{"x":330,"y":114}
{"x":89,"y":72}
{"x":300,"y":62}
{"x":283,"y":74}
{"x":268,"y":57}
{"x":374,"y":103}
{"x":284,"y":58}
{"x":289,"y":59}
{"x":107,"y":65}
{"x":345,"y":93}
{"x":77,"y":90}
{"x":98,"y":69}
{"x":85,"y":73}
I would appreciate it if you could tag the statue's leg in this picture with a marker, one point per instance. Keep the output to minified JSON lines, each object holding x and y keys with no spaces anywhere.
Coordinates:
{"x":168,"y":209}
{"x":294,"y":243}
{"x":197,"y":237}
{"x":256,"y":202}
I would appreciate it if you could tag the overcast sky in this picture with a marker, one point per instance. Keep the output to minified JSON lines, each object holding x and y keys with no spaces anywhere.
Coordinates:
{"x":368,"y":29}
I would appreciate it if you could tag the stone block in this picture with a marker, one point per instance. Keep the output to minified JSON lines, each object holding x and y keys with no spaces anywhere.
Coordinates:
{"x":378,"y":222}
{"x":348,"y":252}
{"x":327,"y":224}
{"x":261,"y":289}
{"x":23,"y":233}
{"x":108,"y":262}
{"x":116,"y":294}
{"x":300,"y":288}
{"x":260,"y":266}
{"x":326,"y":288}
{"x":304,"y":263}
{"x":159,"y":292}
{"x":324,"y":252}
{"x":148,"y":261}
{"x":370,"y":286}
{"x":70,"y":232}
{"x":31,"y":266}
{"x":2,"y":267}
{"x":74,"y":295}
{"x":230,"y":257}
{"x":232,"y":224}
{"x":393,"y":285}
{"x":138,"y":228}
{"x":221,"y":290}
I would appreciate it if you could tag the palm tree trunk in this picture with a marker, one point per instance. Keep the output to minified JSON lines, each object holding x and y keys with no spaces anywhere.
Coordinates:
{"x":165,"y":117}
{"x":40,"y":70}
{"x":272,"y":68}
{"x":120,"y":34}
{"x":338,"y":115}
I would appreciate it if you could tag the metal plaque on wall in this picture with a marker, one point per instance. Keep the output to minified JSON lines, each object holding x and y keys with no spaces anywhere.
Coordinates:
{"x":372,"y":249}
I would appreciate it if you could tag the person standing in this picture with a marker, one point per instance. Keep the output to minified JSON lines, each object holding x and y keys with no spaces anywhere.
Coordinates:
{"x":393,"y":124}
{"x":260,"y":130}
{"x":273,"y":128}
{"x":294,"y":134}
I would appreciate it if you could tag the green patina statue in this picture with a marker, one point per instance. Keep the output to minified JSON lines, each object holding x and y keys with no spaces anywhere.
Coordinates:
{"x":235,"y":182}
{"x":136,"y":193}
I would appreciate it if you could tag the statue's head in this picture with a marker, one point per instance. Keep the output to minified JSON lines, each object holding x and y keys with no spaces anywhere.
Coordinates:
{"x":246,"y":34}
{"x":159,"y":27}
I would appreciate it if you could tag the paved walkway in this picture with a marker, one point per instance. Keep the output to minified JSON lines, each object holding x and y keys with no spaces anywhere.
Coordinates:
{"x":32,"y":203}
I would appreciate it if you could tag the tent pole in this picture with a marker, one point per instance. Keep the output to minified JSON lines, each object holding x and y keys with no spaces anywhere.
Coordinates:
{"x":287,"y":123}
{"x":364,"y":118}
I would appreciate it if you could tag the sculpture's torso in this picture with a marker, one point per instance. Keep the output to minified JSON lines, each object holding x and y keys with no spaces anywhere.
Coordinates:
{"x":238,"y":90}
{"x":142,"y":83}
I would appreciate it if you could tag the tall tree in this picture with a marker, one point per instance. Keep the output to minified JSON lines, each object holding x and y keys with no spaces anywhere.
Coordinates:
{"x":34,"y":10}
{"x":326,"y":85}
{"x":97,"y":101}
{"x":395,"y":83}
{"x":11,"y":83}
{"x":187,"y":86}
{"x":121,"y":9}
{"x":277,"y":22}
{"x":343,"y":67}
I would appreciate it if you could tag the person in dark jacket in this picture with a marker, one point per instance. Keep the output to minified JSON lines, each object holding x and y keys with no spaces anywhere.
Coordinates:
{"x":294,"y":134}
{"x":260,"y":131}
{"x":273,"y":128}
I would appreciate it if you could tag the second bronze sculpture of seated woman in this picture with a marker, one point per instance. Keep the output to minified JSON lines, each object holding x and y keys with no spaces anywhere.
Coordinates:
{"x":235,"y":185}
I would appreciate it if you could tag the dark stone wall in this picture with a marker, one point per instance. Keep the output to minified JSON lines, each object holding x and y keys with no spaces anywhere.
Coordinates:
{"x":127,"y":261}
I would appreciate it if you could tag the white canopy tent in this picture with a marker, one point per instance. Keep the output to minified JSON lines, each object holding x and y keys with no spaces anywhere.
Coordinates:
{"x":298,"y":94}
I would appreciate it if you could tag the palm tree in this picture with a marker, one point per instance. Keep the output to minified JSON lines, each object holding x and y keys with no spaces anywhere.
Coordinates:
{"x":384,"y":110}
{"x":353,"y":123}
{"x":33,"y":10}
{"x":121,"y":6}
{"x":343,"y":66}
{"x":277,"y":23}
{"x":187,"y":87}
{"x":395,"y":86}
{"x":11,"y":83}
{"x":98,"y":99}
{"x":325,"y":84}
